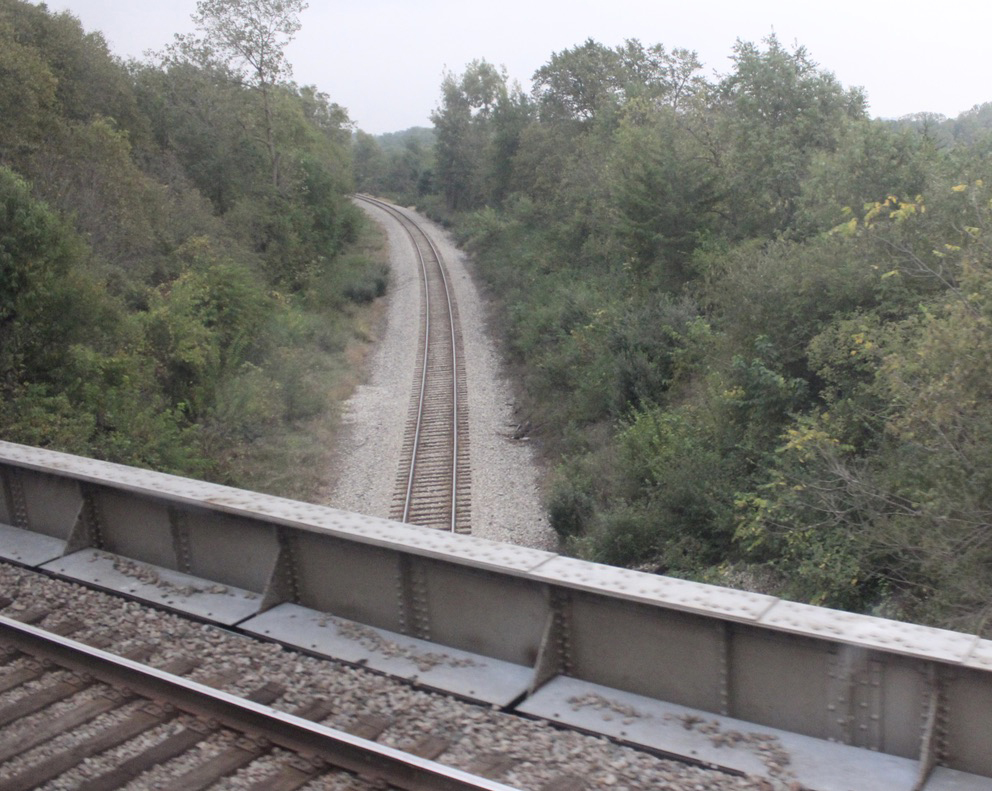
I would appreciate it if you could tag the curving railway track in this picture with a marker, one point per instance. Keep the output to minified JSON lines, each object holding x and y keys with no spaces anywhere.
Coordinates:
{"x":434,"y":479}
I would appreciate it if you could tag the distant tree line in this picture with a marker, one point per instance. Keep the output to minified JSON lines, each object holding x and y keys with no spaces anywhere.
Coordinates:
{"x":752,"y":324}
{"x":171,"y":238}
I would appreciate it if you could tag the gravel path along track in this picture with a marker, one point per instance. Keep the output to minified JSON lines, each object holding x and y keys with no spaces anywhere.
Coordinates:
{"x":505,"y":481}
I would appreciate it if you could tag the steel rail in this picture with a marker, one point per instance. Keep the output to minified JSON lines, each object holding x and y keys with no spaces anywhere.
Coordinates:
{"x":407,"y":224}
{"x":336,"y":748}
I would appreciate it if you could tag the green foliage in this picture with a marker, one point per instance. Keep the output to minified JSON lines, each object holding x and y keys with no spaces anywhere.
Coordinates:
{"x":399,"y":165}
{"x":663,"y":198}
{"x":27,"y":93}
{"x":58,"y":56}
{"x":681,"y":480}
{"x":477,"y":130}
{"x":776,"y":111}
{"x":750,"y":324}
{"x":592,"y":82}
{"x":70,"y":373}
{"x":46,"y":299}
{"x":871,"y":161}
{"x":570,"y":503}
{"x":163,"y":300}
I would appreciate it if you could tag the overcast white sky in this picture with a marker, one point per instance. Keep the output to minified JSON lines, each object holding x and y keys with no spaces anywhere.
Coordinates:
{"x":384,"y":59}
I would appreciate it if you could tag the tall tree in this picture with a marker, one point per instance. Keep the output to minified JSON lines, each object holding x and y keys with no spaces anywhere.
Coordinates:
{"x":250,"y":36}
{"x":581,"y":83}
{"x":778,"y":110}
{"x":477,"y":111}
{"x":664,"y":194}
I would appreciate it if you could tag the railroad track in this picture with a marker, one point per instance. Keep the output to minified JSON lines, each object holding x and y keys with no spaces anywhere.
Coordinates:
{"x":433,"y":481}
{"x":65,"y":703}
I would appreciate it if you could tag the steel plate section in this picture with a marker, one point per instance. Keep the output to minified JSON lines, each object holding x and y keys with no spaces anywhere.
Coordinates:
{"x":461,"y":673}
{"x":484,"y":613}
{"x":786,"y":682}
{"x":654,"y":589}
{"x":232,"y":550}
{"x":103,"y":472}
{"x":905,"y":690}
{"x":423,"y":541}
{"x":967,"y":730}
{"x":31,"y":549}
{"x":944,"y":779}
{"x":52,"y":503}
{"x":136,"y":527}
{"x":6,"y":509}
{"x":348,"y":579}
{"x":666,"y":654}
{"x":865,"y":630}
{"x":723,"y":742}
{"x":980,"y":657}
{"x":159,"y":586}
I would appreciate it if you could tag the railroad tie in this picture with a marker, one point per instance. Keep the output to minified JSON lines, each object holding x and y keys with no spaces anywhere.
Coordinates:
{"x":294,"y":773}
{"x":237,"y":755}
{"x":429,"y":747}
{"x":31,"y":670}
{"x":42,"y":698}
{"x":566,"y":783}
{"x":176,"y":744}
{"x":370,"y":726}
{"x":492,"y":765}
{"x":52,"y":767}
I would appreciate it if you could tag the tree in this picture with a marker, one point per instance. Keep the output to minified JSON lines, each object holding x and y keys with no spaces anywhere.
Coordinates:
{"x":250,"y":36}
{"x":594,"y":81}
{"x":476,"y":128}
{"x":663,"y":197}
{"x":198,"y":113}
{"x":777,"y":110}
{"x":369,"y":163}
{"x":581,"y":83}
{"x":27,"y":95}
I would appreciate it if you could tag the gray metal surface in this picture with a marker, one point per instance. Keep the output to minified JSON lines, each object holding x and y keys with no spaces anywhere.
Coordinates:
{"x":159,"y":586}
{"x":305,"y":517}
{"x":654,"y":589}
{"x":471,"y":676}
{"x":950,"y":780}
{"x":31,"y":549}
{"x":906,"y":691}
{"x":980,"y":657}
{"x":722,"y":742}
{"x":865,"y":630}
{"x":51,"y":503}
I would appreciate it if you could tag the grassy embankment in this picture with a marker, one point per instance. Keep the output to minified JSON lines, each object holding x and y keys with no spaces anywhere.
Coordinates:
{"x":339,"y":329}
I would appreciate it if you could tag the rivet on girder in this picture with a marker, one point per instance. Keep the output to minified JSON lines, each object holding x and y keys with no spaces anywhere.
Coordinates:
{"x":18,"y":502}
{"x":179,"y":524}
{"x":726,"y":638}
{"x":563,"y":622}
{"x":90,"y":513}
